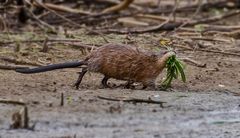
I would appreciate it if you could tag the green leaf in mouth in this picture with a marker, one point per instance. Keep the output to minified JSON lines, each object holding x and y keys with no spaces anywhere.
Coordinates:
{"x":175,"y":68}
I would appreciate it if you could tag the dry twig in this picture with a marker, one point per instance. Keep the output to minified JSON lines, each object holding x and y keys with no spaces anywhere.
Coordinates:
{"x":193,"y":62}
{"x":8,"y":101}
{"x":70,"y":21}
{"x":133,"y":6}
{"x":62,"y":99}
{"x":25,"y":117}
{"x":219,"y":52}
{"x":65,"y":9}
{"x":42,"y":40}
{"x":45,"y":46}
{"x":172,"y":26}
{"x":134,"y":100}
{"x":123,"y":5}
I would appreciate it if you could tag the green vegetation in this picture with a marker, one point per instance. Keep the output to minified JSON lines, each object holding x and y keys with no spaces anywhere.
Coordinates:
{"x":175,"y":68}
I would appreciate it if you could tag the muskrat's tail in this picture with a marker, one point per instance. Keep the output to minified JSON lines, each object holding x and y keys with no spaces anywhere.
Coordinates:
{"x":51,"y":67}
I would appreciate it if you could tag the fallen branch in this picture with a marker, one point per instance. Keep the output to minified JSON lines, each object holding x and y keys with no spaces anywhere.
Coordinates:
{"x":132,"y":5}
{"x":80,"y":45}
{"x":168,"y":26}
{"x":41,"y":23}
{"x":54,"y":12}
{"x":25,"y":117}
{"x":160,"y":18}
{"x":103,"y":17}
{"x":215,"y":18}
{"x":69,"y":20}
{"x":221,"y":28}
{"x":207,"y":50}
{"x":65,"y":9}
{"x":128,"y":21}
{"x":192,"y":8}
{"x":188,"y":34}
{"x":163,"y":26}
{"x":219,"y":52}
{"x":193,"y":62}
{"x":123,"y":5}
{"x":210,"y":39}
{"x":62,"y":99}
{"x":5,"y":101}
{"x":234,"y":34}
{"x":134,"y":100}
{"x":41,"y":40}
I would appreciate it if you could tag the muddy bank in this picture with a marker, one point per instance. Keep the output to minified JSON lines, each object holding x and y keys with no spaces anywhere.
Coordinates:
{"x":209,"y":114}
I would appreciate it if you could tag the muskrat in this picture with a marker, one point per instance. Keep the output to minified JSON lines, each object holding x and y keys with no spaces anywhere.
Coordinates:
{"x":122,"y":62}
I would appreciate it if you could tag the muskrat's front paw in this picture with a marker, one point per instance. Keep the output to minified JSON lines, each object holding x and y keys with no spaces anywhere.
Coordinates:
{"x":129,"y":87}
{"x":76,"y":86}
{"x":149,"y":88}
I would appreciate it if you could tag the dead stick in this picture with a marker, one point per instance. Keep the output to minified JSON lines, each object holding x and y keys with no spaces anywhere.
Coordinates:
{"x":193,"y":62}
{"x":70,"y":21}
{"x":160,"y":18}
{"x":54,"y":12}
{"x":191,"y":8}
{"x":163,"y":26}
{"x":45,"y":46}
{"x":123,"y":5}
{"x":206,"y":50}
{"x":104,"y":17}
{"x":6,"y":101}
{"x":65,"y":9}
{"x":133,"y":100}
{"x":79,"y":45}
{"x":25,"y":117}
{"x":210,"y":39}
{"x":133,"y":6}
{"x":215,"y":18}
{"x":171,"y":26}
{"x":219,"y":52}
{"x":62,"y":99}
{"x":42,"y":40}
{"x":40,"y":22}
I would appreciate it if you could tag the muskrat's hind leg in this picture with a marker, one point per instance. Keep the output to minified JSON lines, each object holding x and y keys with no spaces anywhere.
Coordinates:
{"x":104,"y":82}
{"x":149,"y":85}
{"x":81,"y":74}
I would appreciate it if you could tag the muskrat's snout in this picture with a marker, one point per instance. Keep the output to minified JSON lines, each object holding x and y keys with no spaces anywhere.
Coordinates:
{"x":170,"y":53}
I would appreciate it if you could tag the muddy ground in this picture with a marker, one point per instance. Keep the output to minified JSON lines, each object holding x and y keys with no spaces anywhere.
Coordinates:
{"x":207,"y":105}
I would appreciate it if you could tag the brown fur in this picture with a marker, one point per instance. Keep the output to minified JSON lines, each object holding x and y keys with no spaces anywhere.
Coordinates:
{"x":124,"y":62}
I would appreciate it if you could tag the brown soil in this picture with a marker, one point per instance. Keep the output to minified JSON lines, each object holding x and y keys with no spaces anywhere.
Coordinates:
{"x":207,"y":105}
